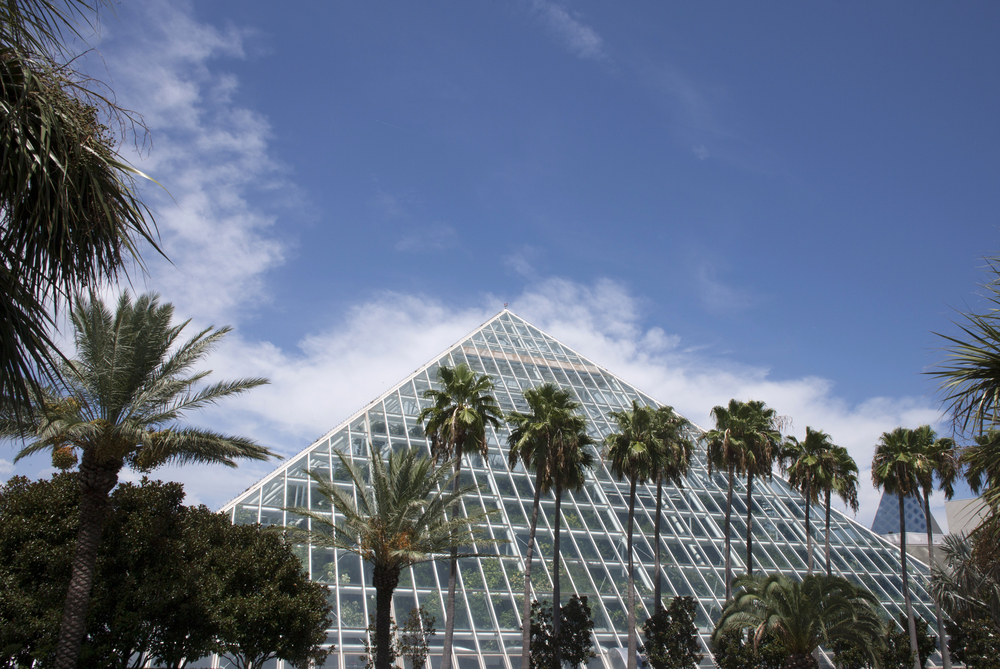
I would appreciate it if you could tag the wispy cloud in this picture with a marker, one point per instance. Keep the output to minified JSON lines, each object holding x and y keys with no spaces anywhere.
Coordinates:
{"x":210,"y":154}
{"x":579,"y":39}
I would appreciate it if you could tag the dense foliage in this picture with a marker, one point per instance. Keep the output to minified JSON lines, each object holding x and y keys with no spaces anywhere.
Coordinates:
{"x":895,"y":653}
{"x":671,"y":636}
{"x":736,"y":649}
{"x":803,"y":615}
{"x":574,"y":642}
{"x":171,"y":581}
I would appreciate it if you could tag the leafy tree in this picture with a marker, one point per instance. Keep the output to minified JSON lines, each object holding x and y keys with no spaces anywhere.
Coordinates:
{"x":542,"y":640}
{"x":735,"y":649}
{"x":576,"y":640}
{"x":149,"y":591}
{"x":165,"y":575}
{"x":573,"y":646}
{"x":671,"y":636}
{"x":414,"y":637}
{"x":404,"y":514}
{"x":672,"y":465}
{"x":807,"y":463}
{"x":70,"y":217}
{"x":456,"y":424}
{"x":631,"y":453}
{"x":819,"y":610}
{"x":268,"y":608}
{"x":975,"y":642}
{"x":537,"y":439}
{"x":842,"y":479}
{"x":125,"y":394}
{"x":897,"y":466}
{"x":36,"y":554}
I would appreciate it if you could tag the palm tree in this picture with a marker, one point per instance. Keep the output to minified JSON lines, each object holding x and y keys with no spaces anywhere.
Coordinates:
{"x":456,"y":424}
{"x":69,"y":213}
{"x":842,"y":478}
{"x":981,"y":463}
{"x":969,"y":376}
{"x":725,"y":452}
{"x":968,"y":589}
{"x":534,"y":440}
{"x":672,"y":464}
{"x":571,"y":462}
{"x":745,"y":441}
{"x":124,"y":396}
{"x":632,"y":453}
{"x":897,"y":467}
{"x":819,"y":610}
{"x":941,"y":463}
{"x":762,"y":446}
{"x":806,"y":463}
{"x":404,"y":513}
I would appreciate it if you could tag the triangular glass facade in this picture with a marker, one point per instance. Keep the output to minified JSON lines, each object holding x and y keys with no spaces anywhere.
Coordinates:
{"x":518,"y":356}
{"x":887,"y":517}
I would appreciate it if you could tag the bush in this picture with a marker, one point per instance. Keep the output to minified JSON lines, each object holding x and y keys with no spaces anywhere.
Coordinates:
{"x":671,"y":636}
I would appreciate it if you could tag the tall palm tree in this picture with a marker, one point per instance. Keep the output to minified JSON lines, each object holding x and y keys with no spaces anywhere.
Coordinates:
{"x":69,"y":213}
{"x":762,"y":444}
{"x":745,"y":440}
{"x":125,"y":395}
{"x":572,"y":459}
{"x":534,"y":440}
{"x":842,"y":478}
{"x":631,"y":453}
{"x":672,"y":464}
{"x":940,"y":463}
{"x":456,"y":424}
{"x":725,"y":452}
{"x":404,"y":513}
{"x":806,"y":463}
{"x":819,"y":610}
{"x":897,"y":467}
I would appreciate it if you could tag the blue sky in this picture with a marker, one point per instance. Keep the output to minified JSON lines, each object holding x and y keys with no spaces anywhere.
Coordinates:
{"x":712,"y":200}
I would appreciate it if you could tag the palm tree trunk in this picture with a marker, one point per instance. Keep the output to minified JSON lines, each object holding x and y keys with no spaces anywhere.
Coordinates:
{"x":942,"y":635}
{"x":556,"y":622}
{"x":749,"y":524}
{"x":385,"y":582}
{"x":906,"y":586}
{"x":96,"y":481}
{"x":829,"y":569}
{"x":526,"y":608}
{"x":809,"y":536}
{"x":729,"y":552}
{"x":449,"y":623}
{"x":632,"y":645}
{"x":656,"y":538}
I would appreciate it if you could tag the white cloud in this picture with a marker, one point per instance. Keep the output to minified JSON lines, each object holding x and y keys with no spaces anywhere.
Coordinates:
{"x":207,"y":151}
{"x":579,"y":39}
{"x":334,"y":373}
{"x":6,"y":468}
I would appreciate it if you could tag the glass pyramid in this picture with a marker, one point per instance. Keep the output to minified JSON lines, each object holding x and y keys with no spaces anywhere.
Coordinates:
{"x":518,"y":356}
{"x":886,"y":519}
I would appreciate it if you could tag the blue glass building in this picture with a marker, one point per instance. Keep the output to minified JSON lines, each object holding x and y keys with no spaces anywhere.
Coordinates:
{"x":519,"y":356}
